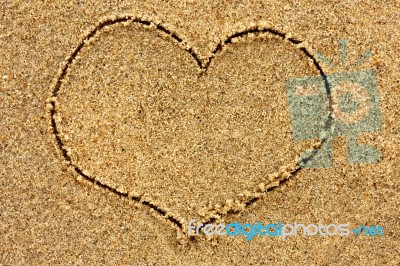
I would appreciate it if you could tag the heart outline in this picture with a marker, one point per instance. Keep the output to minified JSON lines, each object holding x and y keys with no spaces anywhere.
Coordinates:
{"x":172,"y":218}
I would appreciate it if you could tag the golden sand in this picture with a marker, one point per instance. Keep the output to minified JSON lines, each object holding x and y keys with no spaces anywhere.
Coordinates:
{"x":123,"y":121}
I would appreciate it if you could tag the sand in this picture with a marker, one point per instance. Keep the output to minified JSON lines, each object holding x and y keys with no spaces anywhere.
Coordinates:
{"x":123,"y":121}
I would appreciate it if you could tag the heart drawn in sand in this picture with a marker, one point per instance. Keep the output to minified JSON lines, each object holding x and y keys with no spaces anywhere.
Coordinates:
{"x":136,"y":111}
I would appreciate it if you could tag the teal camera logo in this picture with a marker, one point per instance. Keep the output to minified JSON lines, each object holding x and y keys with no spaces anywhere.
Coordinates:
{"x":339,"y":104}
